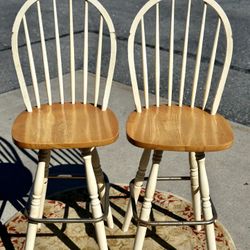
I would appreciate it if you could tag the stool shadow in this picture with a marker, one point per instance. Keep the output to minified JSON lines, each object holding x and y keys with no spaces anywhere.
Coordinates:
{"x":15,"y":183}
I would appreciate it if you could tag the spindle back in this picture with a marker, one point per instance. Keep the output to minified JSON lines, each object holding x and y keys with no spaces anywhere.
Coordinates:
{"x":188,"y":56}
{"x":27,"y":34}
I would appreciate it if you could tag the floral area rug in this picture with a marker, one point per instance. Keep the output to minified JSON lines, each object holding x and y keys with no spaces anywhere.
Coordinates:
{"x":74,"y":203}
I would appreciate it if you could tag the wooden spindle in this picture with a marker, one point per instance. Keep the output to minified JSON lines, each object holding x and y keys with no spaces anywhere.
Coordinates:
{"x":85,"y":56}
{"x":17,"y":63}
{"x":171,"y":55}
{"x":58,"y":54}
{"x":211,"y":65}
{"x":44,"y":54}
{"x":98,"y":61}
{"x":31,"y":62}
{"x":228,"y":55}
{"x":144,"y":63}
{"x":72,"y":52}
{"x":184,"y":55}
{"x":157,"y":57}
{"x":198,"y":57}
{"x":111,"y":69}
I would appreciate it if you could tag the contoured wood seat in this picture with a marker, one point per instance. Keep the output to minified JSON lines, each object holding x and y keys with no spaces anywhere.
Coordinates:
{"x":185,"y":54}
{"x":78,"y":120}
{"x":65,"y":126}
{"x":177,"y":128}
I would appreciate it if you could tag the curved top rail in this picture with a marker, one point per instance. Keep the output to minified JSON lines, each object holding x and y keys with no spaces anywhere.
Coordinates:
{"x":226,"y":61}
{"x":17,"y":62}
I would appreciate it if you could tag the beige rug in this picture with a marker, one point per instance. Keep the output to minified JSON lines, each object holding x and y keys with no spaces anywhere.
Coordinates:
{"x":79,"y":236}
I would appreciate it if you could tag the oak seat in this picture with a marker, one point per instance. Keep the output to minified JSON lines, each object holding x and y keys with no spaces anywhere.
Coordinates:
{"x":65,"y":126}
{"x":177,"y":128}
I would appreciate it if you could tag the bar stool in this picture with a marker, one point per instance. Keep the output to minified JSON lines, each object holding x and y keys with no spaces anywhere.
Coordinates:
{"x":185,"y":126}
{"x":60,"y":124}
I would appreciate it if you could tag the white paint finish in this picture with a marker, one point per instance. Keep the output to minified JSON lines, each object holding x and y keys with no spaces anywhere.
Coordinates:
{"x":147,"y":203}
{"x":111,"y":69}
{"x":228,"y":56}
{"x":195,"y":189}
{"x":94,"y":201}
{"x":131,"y":62}
{"x":132,"y":71}
{"x":72,"y":53}
{"x":136,"y":188}
{"x":45,"y":185}
{"x":157,"y":57}
{"x":101,"y":184}
{"x":211,"y":65}
{"x":144,"y":63}
{"x":184,"y":55}
{"x":36,"y":198}
{"x":31,"y":62}
{"x":44,"y":54}
{"x":85,"y":53}
{"x":198,"y":57}
{"x":206,"y":204}
{"x":171,"y":55}
{"x":98,"y":61}
{"x":58,"y":54}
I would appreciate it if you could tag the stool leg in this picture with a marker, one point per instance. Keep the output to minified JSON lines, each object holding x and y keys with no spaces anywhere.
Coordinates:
{"x":45,"y":184}
{"x":195,"y":189}
{"x":206,"y":204}
{"x":147,"y":204}
{"x":95,"y":202}
{"x":101,"y":184}
{"x":138,"y":182}
{"x":35,"y":207}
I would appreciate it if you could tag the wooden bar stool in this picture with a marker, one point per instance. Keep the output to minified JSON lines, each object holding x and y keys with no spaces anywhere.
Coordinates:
{"x":59,"y":124}
{"x":185,"y":126}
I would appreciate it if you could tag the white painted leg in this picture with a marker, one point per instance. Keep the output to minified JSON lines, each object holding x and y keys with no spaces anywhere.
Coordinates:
{"x":195,"y":189}
{"x":46,"y":156}
{"x":36,"y":202}
{"x":137,"y":187}
{"x":95,"y":202}
{"x":147,"y":204}
{"x":206,"y":204}
{"x":101,"y":184}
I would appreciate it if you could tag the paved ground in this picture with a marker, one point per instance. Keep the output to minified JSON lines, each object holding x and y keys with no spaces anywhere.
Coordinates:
{"x":235,"y":102}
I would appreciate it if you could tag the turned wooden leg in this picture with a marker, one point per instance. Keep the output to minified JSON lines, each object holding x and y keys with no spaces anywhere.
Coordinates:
{"x":94,"y":200}
{"x":101,"y":184}
{"x":45,"y":184}
{"x":35,"y":208}
{"x":147,"y":204}
{"x":195,"y":189}
{"x":206,"y":204}
{"x":136,"y":189}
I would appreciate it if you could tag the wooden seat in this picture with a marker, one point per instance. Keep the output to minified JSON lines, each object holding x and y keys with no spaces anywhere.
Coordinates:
{"x":66,"y":120}
{"x":185,"y":54}
{"x":65,"y":126}
{"x":176,"y":128}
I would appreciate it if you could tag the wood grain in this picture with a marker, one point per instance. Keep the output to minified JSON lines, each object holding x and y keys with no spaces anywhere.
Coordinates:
{"x":177,"y":128}
{"x":65,"y":126}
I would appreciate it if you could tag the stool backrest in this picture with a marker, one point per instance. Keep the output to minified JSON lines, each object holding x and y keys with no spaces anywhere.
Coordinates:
{"x":30,"y":29}
{"x":192,"y":15}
